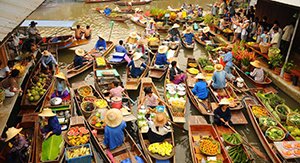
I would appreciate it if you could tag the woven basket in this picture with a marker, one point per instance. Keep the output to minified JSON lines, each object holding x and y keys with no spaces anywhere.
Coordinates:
{"x":264,"y":48}
{"x":83,"y":106}
{"x":288,"y":121}
{"x":275,"y":139}
{"x":282,"y":116}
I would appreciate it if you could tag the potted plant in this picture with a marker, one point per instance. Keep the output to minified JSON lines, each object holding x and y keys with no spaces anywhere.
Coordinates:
{"x":287,"y":67}
{"x":275,"y":63}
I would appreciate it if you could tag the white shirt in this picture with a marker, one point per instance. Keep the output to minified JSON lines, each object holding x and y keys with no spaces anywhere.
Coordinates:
{"x":161,"y":130}
{"x":258,"y":74}
{"x":3,"y":72}
{"x":288,"y":31}
{"x":275,"y":40}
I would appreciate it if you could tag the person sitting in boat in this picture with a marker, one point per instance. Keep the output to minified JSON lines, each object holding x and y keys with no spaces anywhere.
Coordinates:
{"x":79,"y":59}
{"x":222,"y":114}
{"x":114,"y":129}
{"x":47,"y":61}
{"x":258,"y":72}
{"x":133,"y":38}
{"x":88,"y":32}
{"x":151,"y":27}
{"x":78,"y":32}
{"x":107,"y":11}
{"x":116,"y":90}
{"x":219,"y":77}
{"x":10,"y":84}
{"x":61,"y":88}
{"x":141,"y":47}
{"x":52,"y":124}
{"x":200,"y":89}
{"x":174,"y":33}
{"x":120,"y":48}
{"x":227,"y":59}
{"x":159,"y":128}
{"x":189,"y":36}
{"x":176,"y":75}
{"x":100,"y":44}
{"x":18,"y":151}
{"x":151,"y":99}
{"x":33,"y":32}
{"x":4,"y":70}
{"x":161,"y":57}
{"x":136,"y":65}
{"x":205,"y":35}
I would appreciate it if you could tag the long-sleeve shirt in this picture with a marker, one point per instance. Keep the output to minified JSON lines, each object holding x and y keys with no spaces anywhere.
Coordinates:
{"x":219,"y":79}
{"x":120,"y":49}
{"x":200,"y":90}
{"x":135,"y":71}
{"x":19,"y":143}
{"x":78,"y":61}
{"x":48,"y":60}
{"x":189,"y":38}
{"x":218,"y":113}
{"x":228,"y":59}
{"x":258,"y":74}
{"x":161,"y":59}
{"x":107,"y":11}
{"x":114,"y":136}
{"x":53,"y":125}
{"x":174,"y":72}
{"x":100,"y":43}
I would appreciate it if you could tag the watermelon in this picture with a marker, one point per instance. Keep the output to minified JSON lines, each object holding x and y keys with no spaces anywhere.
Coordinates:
{"x":70,"y":133}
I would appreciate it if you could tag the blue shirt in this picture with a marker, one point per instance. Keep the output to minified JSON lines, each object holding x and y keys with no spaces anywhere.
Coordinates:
{"x":228,"y":59}
{"x":189,"y":37}
{"x":200,"y":90}
{"x":100,"y":43}
{"x":121,"y":49}
{"x":78,"y":61}
{"x":264,"y":38}
{"x":53,"y":125}
{"x":114,"y":137}
{"x":219,"y":79}
{"x":135,"y":71}
{"x":161,"y":59}
{"x":107,"y":11}
{"x":48,"y":60}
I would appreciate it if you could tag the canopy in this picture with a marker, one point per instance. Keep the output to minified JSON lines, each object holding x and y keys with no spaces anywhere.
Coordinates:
{"x":49,"y":23}
{"x":295,"y":3}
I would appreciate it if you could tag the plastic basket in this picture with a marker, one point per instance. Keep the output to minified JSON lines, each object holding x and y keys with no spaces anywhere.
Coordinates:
{"x":85,"y":158}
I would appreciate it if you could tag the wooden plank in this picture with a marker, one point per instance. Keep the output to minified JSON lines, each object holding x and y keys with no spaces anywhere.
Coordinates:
{"x":197,"y":120}
{"x":238,"y":118}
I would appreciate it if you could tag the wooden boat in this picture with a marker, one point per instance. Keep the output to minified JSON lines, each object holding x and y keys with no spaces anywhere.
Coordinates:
{"x":125,"y":11}
{"x":266,"y":142}
{"x":132,"y":3}
{"x":144,"y":25}
{"x":205,"y":130}
{"x":133,"y":83}
{"x":185,"y":45}
{"x":99,"y":1}
{"x":117,"y":18}
{"x":63,"y":42}
{"x":147,"y":82}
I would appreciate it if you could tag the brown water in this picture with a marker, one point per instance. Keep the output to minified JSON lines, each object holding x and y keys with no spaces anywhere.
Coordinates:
{"x":85,"y":14}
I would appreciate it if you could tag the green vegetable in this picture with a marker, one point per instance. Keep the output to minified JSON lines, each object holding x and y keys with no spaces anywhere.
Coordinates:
{"x":204,"y":62}
{"x":234,"y":138}
{"x":237,"y":154}
{"x":51,"y":147}
{"x":275,"y":133}
{"x":209,"y":68}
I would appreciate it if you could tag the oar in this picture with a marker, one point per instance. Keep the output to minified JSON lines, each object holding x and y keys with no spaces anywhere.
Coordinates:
{"x":129,"y":98}
{"x":179,"y":126}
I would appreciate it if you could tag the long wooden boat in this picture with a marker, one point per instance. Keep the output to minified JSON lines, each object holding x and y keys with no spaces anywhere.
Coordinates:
{"x":99,"y":1}
{"x":132,"y":3}
{"x":144,"y":25}
{"x":125,"y":11}
{"x":147,"y":82}
{"x":63,"y":42}
{"x":133,"y":83}
{"x":185,"y":45}
{"x":205,"y":130}
{"x":117,"y":18}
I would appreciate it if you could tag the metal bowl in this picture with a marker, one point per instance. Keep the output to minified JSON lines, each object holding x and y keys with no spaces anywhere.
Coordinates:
{"x":56,"y":101}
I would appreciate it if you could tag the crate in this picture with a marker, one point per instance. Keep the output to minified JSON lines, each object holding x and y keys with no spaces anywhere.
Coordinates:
{"x":85,"y":159}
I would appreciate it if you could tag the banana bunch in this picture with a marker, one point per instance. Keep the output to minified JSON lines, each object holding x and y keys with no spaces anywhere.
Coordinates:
{"x":72,"y":153}
{"x":163,"y":149}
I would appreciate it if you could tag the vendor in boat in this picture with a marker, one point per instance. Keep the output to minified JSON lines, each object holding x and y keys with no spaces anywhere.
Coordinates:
{"x":227,"y":59}
{"x":133,"y":38}
{"x":10,"y":84}
{"x":189,"y":36}
{"x":200,"y":89}
{"x":219,"y":77}
{"x":47,"y":61}
{"x":222,"y":114}
{"x":114,"y":129}
{"x":78,"y":32}
{"x":136,"y":65}
{"x":205,"y":35}
{"x":151,"y":99}
{"x":61,"y":87}
{"x":116,"y":90}
{"x":100,"y":44}
{"x":174,"y":33}
{"x":33,"y":32}
{"x":52,"y":124}
{"x":120,"y":48}
{"x":19,"y":148}
{"x":107,"y":11}
{"x":88,"y":32}
{"x":258,"y":72}
{"x":151,"y":27}
{"x":176,"y":75}
{"x":161,"y":57}
{"x":159,"y":128}
{"x":79,"y":59}
{"x":141,"y":46}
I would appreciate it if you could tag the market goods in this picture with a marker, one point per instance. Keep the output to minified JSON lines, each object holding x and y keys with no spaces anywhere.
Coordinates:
{"x":259,"y":111}
{"x":294,"y":131}
{"x":293,"y":119}
{"x":275,"y":133}
{"x":78,"y":152}
{"x":282,"y":110}
{"x":232,"y":139}
{"x":38,"y":87}
{"x":51,"y":147}
{"x":78,"y":135}
{"x":287,"y":145}
{"x":287,"y":153}
{"x":85,"y":91}
{"x":100,"y":61}
{"x":209,"y":146}
{"x":87,"y":106}
{"x":209,"y":69}
{"x":237,"y":154}
{"x":193,"y":65}
{"x":193,"y":71}
{"x":297,"y":152}
{"x":204,"y":62}
{"x":89,"y":98}
{"x":97,"y":120}
{"x":100,"y":103}
{"x":265,"y":122}
{"x":227,"y":30}
{"x":163,"y":149}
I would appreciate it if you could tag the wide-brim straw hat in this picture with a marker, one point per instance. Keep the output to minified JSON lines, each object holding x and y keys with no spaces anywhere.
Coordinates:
{"x":218,"y":67}
{"x":46,"y":53}
{"x":256,"y":64}
{"x":199,"y":76}
{"x":224,"y":101}
{"x":188,"y":30}
{"x":47,"y":113}
{"x":206,"y":29}
{"x":176,"y":25}
{"x":137,"y":55}
{"x":12,"y":132}
{"x":100,"y":36}
{"x":160,"y":119}
{"x":133,"y":35}
{"x":79,"y":52}
{"x":162,"y":49}
{"x":151,"y":21}
{"x":113,"y":117}
{"x":60,"y":75}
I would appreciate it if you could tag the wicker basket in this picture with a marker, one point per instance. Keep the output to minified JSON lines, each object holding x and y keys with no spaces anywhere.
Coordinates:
{"x":264,"y":127}
{"x":264,"y":48}
{"x":282,"y":116}
{"x":280,"y":139}
{"x":288,"y":121}
{"x":85,"y":91}
{"x":90,"y":119}
{"x":83,"y":106}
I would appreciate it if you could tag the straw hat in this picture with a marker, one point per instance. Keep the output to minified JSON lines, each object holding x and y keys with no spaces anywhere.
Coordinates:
{"x":100,"y":36}
{"x":12,"y":132}
{"x":113,"y":117}
{"x":133,"y":35}
{"x":206,"y":29}
{"x":151,"y":21}
{"x":162,"y":49}
{"x":137,"y":55}
{"x":137,"y":9}
{"x":46,"y":53}
{"x":188,"y":30}
{"x":224,"y":101}
{"x":200,"y":76}
{"x":47,"y":113}
{"x":218,"y":67}
{"x":176,"y":25}
{"x":160,"y":119}
{"x":60,"y":75}
{"x":79,"y":52}
{"x":256,"y":64}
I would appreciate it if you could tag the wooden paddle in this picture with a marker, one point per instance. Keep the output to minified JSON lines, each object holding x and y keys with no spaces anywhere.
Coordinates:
{"x":178,"y":126}
{"x":128,"y":98}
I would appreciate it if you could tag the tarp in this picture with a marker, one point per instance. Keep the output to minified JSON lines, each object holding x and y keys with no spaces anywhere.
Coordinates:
{"x":295,"y":3}
{"x":49,"y":23}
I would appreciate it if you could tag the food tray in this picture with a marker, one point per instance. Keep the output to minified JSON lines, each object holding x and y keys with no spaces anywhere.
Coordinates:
{"x":280,"y":148}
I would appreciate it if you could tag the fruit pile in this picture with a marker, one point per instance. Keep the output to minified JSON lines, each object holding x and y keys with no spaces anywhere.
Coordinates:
{"x":100,"y":61}
{"x":237,"y":154}
{"x":193,"y":71}
{"x":85,"y":91}
{"x":275,"y":133}
{"x":259,"y":111}
{"x":77,"y":152}
{"x":233,"y":139}
{"x":163,"y":149}
{"x":97,"y":120}
{"x":78,"y":135}
{"x":209,"y":146}
{"x":294,"y":131}
{"x":100,"y":103}
{"x":37,"y":90}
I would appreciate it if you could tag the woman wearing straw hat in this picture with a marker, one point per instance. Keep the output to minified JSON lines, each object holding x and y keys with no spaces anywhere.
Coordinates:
{"x":114,"y":130}
{"x":159,"y":128}
{"x":176,"y":75}
{"x":79,"y":59}
{"x":200,"y":89}
{"x":222,"y":114}
{"x":61,"y":87}
{"x":205,"y":35}
{"x":100,"y":44}
{"x":136,"y":66}
{"x":53,"y":126}
{"x":258,"y":72}
{"x":189,"y":36}
{"x":151,"y":27}
{"x":132,"y":38}
{"x":161,"y":57}
{"x":174,"y":33}
{"x":219,"y":77}
{"x":10,"y":84}
{"x":48,"y":60}
{"x":227,"y":59}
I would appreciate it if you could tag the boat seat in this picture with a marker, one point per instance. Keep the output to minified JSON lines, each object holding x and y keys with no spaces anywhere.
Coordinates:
{"x":123,"y":147}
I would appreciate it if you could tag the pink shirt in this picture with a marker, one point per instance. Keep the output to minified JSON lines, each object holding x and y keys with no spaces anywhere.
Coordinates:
{"x":152,"y":101}
{"x":116,"y":92}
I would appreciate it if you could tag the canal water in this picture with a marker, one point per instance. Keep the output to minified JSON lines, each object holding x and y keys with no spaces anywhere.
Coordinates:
{"x":85,"y":14}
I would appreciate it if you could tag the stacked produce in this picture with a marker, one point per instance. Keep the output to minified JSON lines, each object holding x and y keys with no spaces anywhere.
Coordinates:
{"x":237,"y":154}
{"x":85,"y":91}
{"x":100,"y":61}
{"x":294,"y":131}
{"x":266,"y":122}
{"x":142,"y":122}
{"x":275,"y":133}
{"x":97,"y":119}
{"x":232,"y":139}
{"x":209,"y":146}
{"x":100,"y":103}
{"x":38,"y":87}
{"x":78,"y":135}
{"x":77,"y":152}
{"x":163,"y":149}
{"x":193,"y":71}
{"x":176,"y":96}
{"x":259,"y":111}
{"x":282,"y":110}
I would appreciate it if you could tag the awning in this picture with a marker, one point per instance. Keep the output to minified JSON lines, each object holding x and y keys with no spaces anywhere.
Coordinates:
{"x":295,"y":3}
{"x":49,"y":23}
{"x":13,"y":12}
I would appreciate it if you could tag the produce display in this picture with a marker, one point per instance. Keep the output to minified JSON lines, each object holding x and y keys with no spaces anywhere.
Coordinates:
{"x":100,"y":103}
{"x":237,"y":154}
{"x":51,"y":148}
{"x":282,"y":110}
{"x":77,"y":152}
{"x":294,"y":131}
{"x":209,"y":69}
{"x":193,"y":65}
{"x":97,"y":120}
{"x":88,"y":106}
{"x":275,"y":133}
{"x":78,"y":135}
{"x":193,"y":71}
{"x":209,"y":146}
{"x":259,"y":111}
{"x":204,"y":62}
{"x":227,"y":30}
{"x":38,"y":87}
{"x":163,"y":149}
{"x":232,"y":139}
{"x":89,"y":98}
{"x":85,"y":91}
{"x":176,"y":96}
{"x":100,"y":61}
{"x":266,"y":122}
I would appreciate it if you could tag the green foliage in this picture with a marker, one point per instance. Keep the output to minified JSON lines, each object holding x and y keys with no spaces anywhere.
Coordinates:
{"x":287,"y":67}
{"x":204,"y":62}
{"x":275,"y":60}
{"x":209,"y":48}
{"x":51,"y":147}
{"x":245,"y":62}
{"x":208,"y":19}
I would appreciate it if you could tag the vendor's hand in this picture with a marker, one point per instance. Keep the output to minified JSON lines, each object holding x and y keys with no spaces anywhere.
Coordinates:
{"x":48,"y":135}
{"x":226,"y":123}
{"x":222,"y":120}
